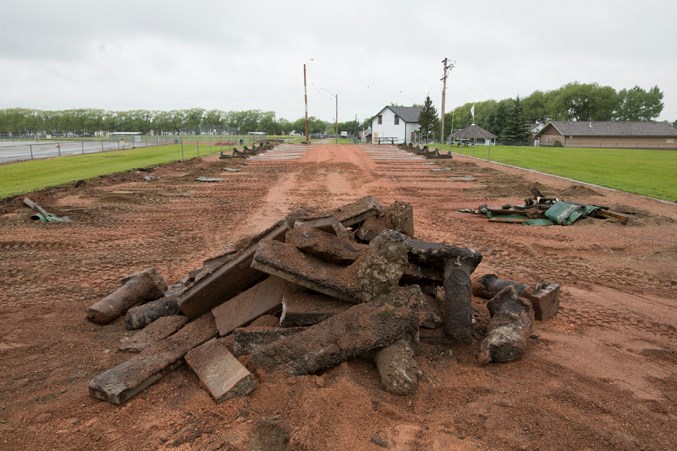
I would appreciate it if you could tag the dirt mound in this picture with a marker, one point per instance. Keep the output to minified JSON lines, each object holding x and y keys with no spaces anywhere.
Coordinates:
{"x":577,"y":191}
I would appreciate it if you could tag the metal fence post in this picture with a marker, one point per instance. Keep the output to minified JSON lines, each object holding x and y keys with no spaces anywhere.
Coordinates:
{"x":197,"y":141}
{"x":58,"y":148}
{"x":181,"y":149}
{"x":83,"y":147}
{"x":101,"y":145}
{"x":31,"y":149}
{"x":210,"y":146}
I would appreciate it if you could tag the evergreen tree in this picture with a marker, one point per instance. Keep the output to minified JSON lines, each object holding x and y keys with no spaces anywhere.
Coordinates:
{"x":428,"y":121}
{"x":515,"y":130}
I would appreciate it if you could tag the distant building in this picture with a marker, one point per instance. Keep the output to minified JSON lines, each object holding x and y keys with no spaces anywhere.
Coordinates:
{"x":609,"y":134}
{"x":395,"y":124}
{"x":471,"y":134}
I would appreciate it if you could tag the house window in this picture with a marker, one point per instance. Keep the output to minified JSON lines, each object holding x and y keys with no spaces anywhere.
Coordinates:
{"x":397,"y":120}
{"x":380,"y":119}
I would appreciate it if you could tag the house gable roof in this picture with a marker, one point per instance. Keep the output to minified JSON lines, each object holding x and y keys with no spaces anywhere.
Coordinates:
{"x":473,"y":131}
{"x":611,"y":128}
{"x":408,"y":114}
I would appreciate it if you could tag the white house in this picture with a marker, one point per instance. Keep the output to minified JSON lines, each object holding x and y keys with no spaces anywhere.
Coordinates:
{"x":395,"y":124}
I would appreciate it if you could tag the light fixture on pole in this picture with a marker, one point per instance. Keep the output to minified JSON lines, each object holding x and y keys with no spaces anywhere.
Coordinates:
{"x":336,"y":118}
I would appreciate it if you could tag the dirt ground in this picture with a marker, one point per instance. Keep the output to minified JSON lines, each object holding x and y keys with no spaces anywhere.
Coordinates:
{"x":601,"y":374}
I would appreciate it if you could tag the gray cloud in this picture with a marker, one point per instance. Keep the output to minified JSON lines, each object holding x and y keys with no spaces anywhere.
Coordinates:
{"x":236,"y":55}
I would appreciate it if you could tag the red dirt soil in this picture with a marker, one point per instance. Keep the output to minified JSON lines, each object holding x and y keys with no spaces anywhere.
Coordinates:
{"x":601,"y":374}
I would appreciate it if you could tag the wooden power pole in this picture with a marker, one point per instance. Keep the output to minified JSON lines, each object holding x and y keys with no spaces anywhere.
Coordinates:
{"x":447,"y":66}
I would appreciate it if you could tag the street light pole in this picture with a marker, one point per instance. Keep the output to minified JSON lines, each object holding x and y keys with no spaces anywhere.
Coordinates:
{"x":335,"y":96}
{"x":305,"y":95}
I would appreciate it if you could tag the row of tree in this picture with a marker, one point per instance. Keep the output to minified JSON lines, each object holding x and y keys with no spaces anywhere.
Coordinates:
{"x":88,"y":122}
{"x":509,"y":118}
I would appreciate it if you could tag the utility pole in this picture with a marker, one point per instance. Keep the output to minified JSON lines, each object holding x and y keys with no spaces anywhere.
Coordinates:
{"x":447,"y":66}
{"x":336,"y":124}
{"x":305,"y":95}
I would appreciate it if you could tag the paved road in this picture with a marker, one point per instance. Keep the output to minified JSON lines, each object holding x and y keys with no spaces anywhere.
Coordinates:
{"x":26,"y":150}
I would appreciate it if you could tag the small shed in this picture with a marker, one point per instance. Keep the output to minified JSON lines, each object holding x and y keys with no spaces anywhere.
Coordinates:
{"x":472,"y":133}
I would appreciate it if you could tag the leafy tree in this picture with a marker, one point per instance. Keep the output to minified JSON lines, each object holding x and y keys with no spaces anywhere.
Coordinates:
{"x":428,"y":121}
{"x":536,"y":107}
{"x":583,"y":102}
{"x":636,"y":104}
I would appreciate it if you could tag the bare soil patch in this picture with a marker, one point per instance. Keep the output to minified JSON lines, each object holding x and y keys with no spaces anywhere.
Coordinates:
{"x":601,"y":374}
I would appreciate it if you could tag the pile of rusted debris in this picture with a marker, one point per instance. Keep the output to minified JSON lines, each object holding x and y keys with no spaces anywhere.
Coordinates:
{"x":313,"y":292}
{"x":541,"y":211}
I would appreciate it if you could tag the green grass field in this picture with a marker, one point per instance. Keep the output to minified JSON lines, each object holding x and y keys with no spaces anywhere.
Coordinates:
{"x":27,"y":176}
{"x":651,"y":173}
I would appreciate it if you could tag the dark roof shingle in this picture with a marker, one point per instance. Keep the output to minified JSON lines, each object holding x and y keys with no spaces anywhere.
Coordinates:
{"x":473,"y":131}
{"x":613,"y":128}
{"x":407,"y":113}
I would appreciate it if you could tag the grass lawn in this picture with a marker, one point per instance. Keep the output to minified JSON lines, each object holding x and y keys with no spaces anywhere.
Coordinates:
{"x":27,"y":176}
{"x":651,"y":173}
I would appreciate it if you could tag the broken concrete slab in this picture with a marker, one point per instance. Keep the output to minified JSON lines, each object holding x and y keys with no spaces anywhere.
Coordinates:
{"x":457,"y":304}
{"x":264,"y":297}
{"x":227,"y":280}
{"x":399,"y":217}
{"x":138,"y":288}
{"x":248,"y":339}
{"x":305,"y":308}
{"x":348,"y":215}
{"x":397,"y":367}
{"x":425,"y":253}
{"x":154,"y":332}
{"x":512,"y":320}
{"x":120,"y":383}
{"x":286,"y":262}
{"x":360,"y":329}
{"x":380,"y":268}
{"x":219,"y":371}
{"x":324,"y":245}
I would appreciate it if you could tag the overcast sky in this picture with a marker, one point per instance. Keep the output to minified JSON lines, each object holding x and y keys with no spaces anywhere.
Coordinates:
{"x":240,"y":55}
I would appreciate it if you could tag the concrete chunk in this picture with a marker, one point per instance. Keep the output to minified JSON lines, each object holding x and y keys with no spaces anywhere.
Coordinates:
{"x":348,"y":215}
{"x":154,"y":332}
{"x":324,"y":245}
{"x":286,"y":262}
{"x":264,"y":297}
{"x":512,"y":320}
{"x":140,"y":287}
{"x":489,"y":285}
{"x":545,"y":299}
{"x":305,"y":308}
{"x":219,"y":371}
{"x":458,"y":304}
{"x":398,"y":217}
{"x":120,"y":383}
{"x":141,"y":316}
{"x":228,"y":280}
{"x":360,"y":329}
{"x":397,"y":367}
{"x":424,"y":253}
{"x":380,"y":268}
{"x":247,"y":339}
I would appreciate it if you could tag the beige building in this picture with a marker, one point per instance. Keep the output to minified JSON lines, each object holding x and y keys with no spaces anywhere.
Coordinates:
{"x":610,"y":134}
